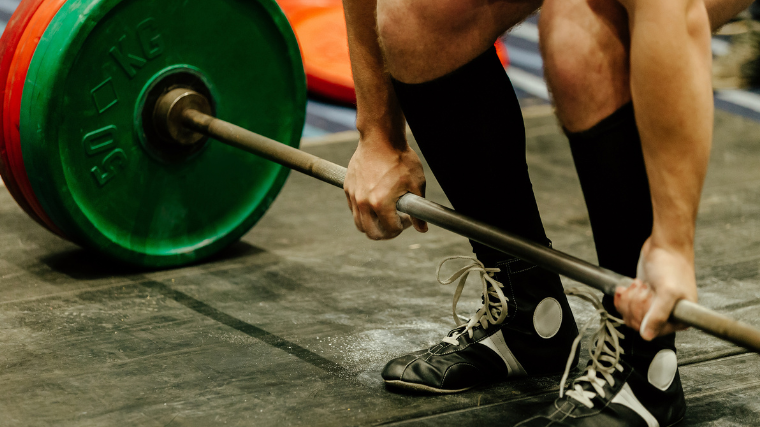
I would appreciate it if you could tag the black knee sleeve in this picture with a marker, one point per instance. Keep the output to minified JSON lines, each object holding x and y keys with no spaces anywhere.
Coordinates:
{"x":469,"y":127}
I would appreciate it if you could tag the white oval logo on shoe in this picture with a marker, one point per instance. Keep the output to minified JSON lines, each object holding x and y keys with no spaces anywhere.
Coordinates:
{"x":547,"y":318}
{"x":662,"y":370}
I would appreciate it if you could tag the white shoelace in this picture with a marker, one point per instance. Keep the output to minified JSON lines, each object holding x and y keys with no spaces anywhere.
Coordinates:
{"x":606,"y":349}
{"x":491,"y":312}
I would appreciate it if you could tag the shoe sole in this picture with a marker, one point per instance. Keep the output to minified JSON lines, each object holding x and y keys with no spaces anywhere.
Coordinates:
{"x":421,"y":388}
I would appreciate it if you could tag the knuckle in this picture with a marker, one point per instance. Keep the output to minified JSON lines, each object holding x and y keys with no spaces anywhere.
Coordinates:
{"x":362,"y":203}
{"x":376,"y":201}
{"x":393,"y":230}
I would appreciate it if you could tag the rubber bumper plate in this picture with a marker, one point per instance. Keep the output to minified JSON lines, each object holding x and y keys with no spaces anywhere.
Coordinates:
{"x":90,"y":152}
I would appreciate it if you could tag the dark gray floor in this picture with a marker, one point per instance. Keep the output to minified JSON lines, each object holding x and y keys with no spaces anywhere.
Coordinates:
{"x":292,"y":325}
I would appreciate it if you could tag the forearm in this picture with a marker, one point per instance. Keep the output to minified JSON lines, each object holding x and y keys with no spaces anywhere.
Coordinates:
{"x":671,"y":88}
{"x":721,"y":11}
{"x":378,"y":112}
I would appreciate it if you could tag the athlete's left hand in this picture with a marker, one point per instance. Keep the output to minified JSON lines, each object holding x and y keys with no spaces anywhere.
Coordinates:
{"x":664,"y":276}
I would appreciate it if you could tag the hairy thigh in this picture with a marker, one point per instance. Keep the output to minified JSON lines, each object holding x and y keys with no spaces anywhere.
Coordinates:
{"x":424,"y":39}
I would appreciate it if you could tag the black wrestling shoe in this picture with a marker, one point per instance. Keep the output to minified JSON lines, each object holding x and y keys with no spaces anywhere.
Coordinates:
{"x":525,"y":327}
{"x":618,"y":389}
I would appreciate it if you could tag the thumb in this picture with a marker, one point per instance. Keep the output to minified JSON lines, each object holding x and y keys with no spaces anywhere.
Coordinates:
{"x":655,"y":322}
{"x":419,"y":225}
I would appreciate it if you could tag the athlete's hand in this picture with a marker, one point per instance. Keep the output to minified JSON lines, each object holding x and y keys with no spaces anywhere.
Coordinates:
{"x":664,"y":277}
{"x":379,"y":173}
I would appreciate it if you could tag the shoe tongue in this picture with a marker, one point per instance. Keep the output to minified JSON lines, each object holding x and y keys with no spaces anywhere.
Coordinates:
{"x":457,"y":330}
{"x":494,"y":299}
{"x":603,"y":355}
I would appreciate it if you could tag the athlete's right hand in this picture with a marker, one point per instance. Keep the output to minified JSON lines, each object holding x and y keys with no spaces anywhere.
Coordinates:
{"x":379,"y":173}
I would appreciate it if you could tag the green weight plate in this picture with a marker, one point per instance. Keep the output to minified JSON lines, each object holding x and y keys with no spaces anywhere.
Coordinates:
{"x":90,"y":155}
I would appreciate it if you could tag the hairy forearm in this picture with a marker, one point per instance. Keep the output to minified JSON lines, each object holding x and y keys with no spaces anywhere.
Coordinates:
{"x":670,"y":83}
{"x":378,"y":111}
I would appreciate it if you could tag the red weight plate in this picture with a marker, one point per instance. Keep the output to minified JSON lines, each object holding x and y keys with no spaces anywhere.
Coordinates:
{"x":501,"y":50}
{"x":8,"y":43}
{"x":293,"y":8}
{"x":323,"y":39}
{"x":12,"y":103}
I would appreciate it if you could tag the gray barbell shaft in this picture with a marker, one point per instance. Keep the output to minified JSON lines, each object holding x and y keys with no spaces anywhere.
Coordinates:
{"x":607,"y":281}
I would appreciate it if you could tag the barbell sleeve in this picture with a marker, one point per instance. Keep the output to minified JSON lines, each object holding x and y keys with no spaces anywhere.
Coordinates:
{"x":685,"y":312}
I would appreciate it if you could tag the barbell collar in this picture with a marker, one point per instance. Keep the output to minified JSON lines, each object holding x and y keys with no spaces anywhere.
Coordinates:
{"x":167,"y":115}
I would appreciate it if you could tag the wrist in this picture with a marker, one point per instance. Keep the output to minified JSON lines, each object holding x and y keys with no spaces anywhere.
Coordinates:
{"x":682,"y":244}
{"x":379,"y":118}
{"x":383,"y":134}
{"x":674,"y":229}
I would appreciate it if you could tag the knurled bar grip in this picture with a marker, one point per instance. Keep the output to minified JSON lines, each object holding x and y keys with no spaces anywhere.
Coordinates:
{"x":685,"y":312}
{"x":267,"y":148}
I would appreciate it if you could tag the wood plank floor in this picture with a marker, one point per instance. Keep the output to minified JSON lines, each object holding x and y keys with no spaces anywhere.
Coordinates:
{"x":292,"y":325}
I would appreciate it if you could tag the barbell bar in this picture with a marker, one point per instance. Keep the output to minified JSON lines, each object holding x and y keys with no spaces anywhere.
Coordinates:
{"x":183,"y":116}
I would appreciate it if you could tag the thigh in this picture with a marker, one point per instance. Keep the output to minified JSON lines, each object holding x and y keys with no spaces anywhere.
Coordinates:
{"x":425,"y":39}
{"x":585,"y":46}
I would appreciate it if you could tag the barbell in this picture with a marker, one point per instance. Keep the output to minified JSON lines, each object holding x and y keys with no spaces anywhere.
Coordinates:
{"x":110,"y":136}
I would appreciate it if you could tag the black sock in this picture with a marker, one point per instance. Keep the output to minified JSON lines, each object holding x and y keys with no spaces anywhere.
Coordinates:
{"x":470,"y":129}
{"x":613,"y":177}
{"x":611,"y":169}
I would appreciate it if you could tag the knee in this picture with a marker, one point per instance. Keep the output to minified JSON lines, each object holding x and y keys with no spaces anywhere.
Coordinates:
{"x":391,"y":22}
{"x":569,"y":65}
{"x":583,"y":45}
{"x":425,"y":39}
{"x":413,"y":24}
